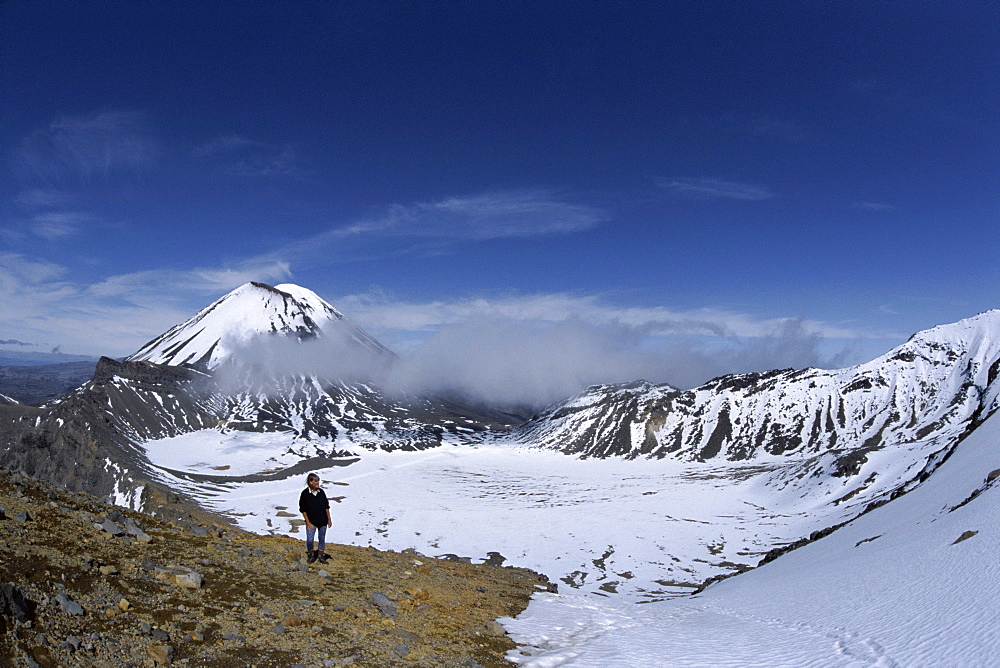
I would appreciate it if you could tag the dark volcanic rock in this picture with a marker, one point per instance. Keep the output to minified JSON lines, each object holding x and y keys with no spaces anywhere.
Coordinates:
{"x":14,"y":605}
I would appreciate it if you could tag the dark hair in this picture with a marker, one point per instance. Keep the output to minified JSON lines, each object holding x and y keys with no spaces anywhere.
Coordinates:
{"x":312,"y":476}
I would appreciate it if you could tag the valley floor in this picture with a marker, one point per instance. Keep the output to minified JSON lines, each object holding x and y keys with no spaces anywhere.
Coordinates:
{"x":624,"y":540}
{"x":912,"y":583}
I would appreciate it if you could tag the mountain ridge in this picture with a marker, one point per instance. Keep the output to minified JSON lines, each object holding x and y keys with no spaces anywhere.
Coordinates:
{"x":937,"y":384}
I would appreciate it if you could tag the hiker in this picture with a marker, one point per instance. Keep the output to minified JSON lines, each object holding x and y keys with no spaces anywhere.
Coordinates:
{"x":315,"y":509}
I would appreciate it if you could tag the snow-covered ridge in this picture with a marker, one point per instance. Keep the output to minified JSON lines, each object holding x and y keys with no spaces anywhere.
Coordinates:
{"x":933,"y":387}
{"x":254,"y":309}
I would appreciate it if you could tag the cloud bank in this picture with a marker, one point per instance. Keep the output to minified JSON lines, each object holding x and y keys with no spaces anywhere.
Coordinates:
{"x":504,"y":361}
{"x":520,"y":349}
{"x":506,"y":356}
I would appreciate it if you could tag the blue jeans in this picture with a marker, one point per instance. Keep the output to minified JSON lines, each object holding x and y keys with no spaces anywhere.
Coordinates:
{"x":312,"y":532}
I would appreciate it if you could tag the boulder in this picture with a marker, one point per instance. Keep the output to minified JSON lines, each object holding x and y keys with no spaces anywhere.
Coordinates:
{"x":494,"y":629}
{"x":180,"y":576}
{"x":14,"y":605}
{"x":110,"y":527}
{"x":68,"y":605}
{"x":136,"y":531}
{"x":161,"y":655}
{"x":385,"y":604}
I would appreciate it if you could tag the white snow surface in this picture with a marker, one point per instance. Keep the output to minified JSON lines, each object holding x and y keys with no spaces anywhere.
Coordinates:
{"x":235,"y":453}
{"x":250,"y":311}
{"x":893,"y":588}
{"x":890,"y":589}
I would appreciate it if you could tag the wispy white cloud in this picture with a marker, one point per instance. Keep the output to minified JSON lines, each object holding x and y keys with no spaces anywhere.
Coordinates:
{"x":146,"y":287}
{"x":223,"y":145}
{"x":716,"y":189}
{"x":240,"y":156}
{"x":787,"y":131}
{"x":17,"y":270}
{"x":875,"y":206}
{"x":59,"y":167}
{"x":56,"y":225}
{"x":74,"y":149}
{"x":379,"y":313}
{"x":757,"y":126}
{"x":39,"y":199}
{"x":443,"y":226}
{"x":282,"y":162}
{"x":494,"y":215}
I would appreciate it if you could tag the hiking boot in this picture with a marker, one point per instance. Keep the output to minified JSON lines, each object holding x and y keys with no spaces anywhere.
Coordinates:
{"x":312,"y":556}
{"x":324,"y":557}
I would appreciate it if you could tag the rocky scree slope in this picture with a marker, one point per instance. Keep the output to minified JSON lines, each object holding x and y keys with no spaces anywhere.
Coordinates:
{"x":87,"y":442}
{"x":84,"y":583}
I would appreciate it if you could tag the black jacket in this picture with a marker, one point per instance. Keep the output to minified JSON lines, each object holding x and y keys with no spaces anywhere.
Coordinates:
{"x":314,"y":506}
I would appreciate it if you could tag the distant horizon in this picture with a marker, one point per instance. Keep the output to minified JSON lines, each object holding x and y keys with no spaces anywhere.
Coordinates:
{"x":711,"y":187}
{"x":524,"y":375}
{"x":11,"y":358}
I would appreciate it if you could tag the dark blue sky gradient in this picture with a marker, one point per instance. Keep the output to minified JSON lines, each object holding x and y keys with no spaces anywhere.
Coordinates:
{"x":836,"y":162}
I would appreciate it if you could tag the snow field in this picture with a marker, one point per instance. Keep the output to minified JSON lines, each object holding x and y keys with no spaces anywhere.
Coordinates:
{"x":890,"y":589}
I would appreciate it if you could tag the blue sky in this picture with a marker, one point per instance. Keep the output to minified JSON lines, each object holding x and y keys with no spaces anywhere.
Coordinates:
{"x":735,"y":185}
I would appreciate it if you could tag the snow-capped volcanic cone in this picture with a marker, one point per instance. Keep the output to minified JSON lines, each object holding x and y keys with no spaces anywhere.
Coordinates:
{"x":254,"y":309}
{"x":281,"y":359}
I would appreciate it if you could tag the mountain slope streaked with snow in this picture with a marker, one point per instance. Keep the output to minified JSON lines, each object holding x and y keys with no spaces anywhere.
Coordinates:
{"x":934,"y":387}
{"x":254,"y":309}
